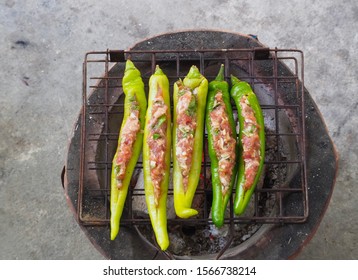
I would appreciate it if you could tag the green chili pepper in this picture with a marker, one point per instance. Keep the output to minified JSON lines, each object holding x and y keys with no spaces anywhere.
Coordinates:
{"x":248,"y":175}
{"x":157,"y":139}
{"x":135,"y":103}
{"x":195,"y":86}
{"x":221,"y":129}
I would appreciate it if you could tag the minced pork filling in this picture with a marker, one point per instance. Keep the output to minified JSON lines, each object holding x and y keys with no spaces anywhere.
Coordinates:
{"x":157,"y":142}
{"x":250,"y":142}
{"x":224,"y":142}
{"x":128,"y":137}
{"x":186,"y":125}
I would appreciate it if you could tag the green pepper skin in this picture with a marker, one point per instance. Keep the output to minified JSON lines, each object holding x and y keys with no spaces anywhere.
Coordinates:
{"x":198,"y":84}
{"x":220,"y":201}
{"x":239,"y":89}
{"x":133,"y":86}
{"x":157,"y":213}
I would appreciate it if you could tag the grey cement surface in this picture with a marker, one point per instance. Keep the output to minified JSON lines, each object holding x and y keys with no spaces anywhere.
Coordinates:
{"x":42,"y":48}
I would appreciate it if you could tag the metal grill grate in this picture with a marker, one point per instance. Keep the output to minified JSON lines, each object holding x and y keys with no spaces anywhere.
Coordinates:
{"x":276,"y":75}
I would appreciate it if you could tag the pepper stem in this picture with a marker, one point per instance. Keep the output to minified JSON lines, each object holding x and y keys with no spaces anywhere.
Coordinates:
{"x":194,"y":73}
{"x":220,"y":77}
{"x":235,"y":80}
{"x":129,"y":65}
{"x":158,"y":70}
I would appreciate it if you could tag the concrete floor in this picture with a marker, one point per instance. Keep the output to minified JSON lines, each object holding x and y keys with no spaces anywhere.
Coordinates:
{"x":42,"y":48}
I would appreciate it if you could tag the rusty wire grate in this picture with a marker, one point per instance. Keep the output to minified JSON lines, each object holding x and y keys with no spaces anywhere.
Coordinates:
{"x":276,"y":75}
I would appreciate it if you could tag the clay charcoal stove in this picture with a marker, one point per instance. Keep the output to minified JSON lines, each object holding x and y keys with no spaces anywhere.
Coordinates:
{"x":286,"y":207}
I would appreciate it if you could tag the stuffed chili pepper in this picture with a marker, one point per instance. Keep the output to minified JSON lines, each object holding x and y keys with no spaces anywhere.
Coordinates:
{"x":156,"y":154}
{"x":222,"y":145}
{"x":251,"y":142}
{"x":188,"y":129}
{"x":130,"y":142}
